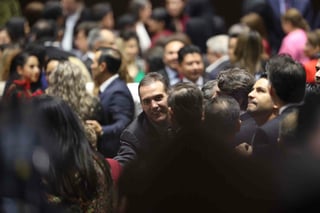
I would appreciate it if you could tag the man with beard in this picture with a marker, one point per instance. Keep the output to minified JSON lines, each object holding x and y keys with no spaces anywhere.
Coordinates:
{"x":150,"y":128}
{"x":261,"y":108}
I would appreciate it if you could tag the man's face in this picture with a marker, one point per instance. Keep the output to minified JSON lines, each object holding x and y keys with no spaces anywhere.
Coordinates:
{"x":317,"y":76}
{"x":153,"y":98}
{"x":259,"y":99}
{"x":95,"y":67}
{"x":170,"y":55}
{"x":192,"y":66}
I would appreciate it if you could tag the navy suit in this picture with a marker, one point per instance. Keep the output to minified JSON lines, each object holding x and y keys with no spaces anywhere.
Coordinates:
{"x":118,"y":110}
{"x":266,"y":136}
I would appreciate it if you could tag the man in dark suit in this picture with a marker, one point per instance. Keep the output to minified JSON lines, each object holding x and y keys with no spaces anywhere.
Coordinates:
{"x":115,"y":98}
{"x":287,"y":88}
{"x":149,"y":129}
{"x":261,"y":108}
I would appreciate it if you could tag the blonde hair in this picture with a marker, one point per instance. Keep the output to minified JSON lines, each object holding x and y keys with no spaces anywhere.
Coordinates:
{"x":294,"y":17}
{"x":69,"y":83}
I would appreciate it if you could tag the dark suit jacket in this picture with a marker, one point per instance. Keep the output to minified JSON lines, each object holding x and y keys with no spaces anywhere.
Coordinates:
{"x":247,"y":130}
{"x":214,"y":72}
{"x":266,"y":136}
{"x":138,"y":139}
{"x":118,"y":110}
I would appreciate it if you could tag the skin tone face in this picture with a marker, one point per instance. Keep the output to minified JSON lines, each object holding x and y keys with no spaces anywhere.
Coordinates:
{"x":30,"y":70}
{"x":145,"y":12}
{"x":317,"y":77}
{"x":259,"y":99}
{"x":231,"y":48}
{"x":51,"y":67}
{"x":170,"y":55}
{"x":192,"y":66}
{"x":131,"y":49}
{"x":4,"y":37}
{"x":154,"y":102}
{"x":175,"y":7}
{"x":108,"y":21}
{"x":81,"y":41}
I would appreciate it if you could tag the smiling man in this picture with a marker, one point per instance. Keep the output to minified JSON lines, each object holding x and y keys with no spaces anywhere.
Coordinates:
{"x":191,"y":65}
{"x":149,"y":129}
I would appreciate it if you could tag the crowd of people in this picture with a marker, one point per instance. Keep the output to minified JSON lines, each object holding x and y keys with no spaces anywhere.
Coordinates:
{"x":161,"y":109}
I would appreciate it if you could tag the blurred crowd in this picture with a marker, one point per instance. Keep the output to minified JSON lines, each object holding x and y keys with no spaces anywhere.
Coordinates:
{"x":162,"y":109}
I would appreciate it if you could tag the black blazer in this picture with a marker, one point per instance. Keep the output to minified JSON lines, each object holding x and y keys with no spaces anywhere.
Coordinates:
{"x":266,"y":136}
{"x":138,"y":139}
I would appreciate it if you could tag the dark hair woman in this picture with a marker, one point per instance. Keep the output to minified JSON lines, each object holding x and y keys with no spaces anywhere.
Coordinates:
{"x":78,"y":177}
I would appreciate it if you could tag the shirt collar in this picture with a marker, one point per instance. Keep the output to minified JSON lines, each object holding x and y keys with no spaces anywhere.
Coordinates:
{"x":199,"y":82}
{"x":217,"y":63}
{"x":107,"y":82}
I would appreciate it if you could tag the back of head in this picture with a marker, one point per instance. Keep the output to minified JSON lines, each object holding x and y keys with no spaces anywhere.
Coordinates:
{"x":44,"y":30}
{"x":185,"y":101}
{"x":52,"y":10}
{"x":294,"y":17}
{"x":33,"y":11}
{"x":218,"y":44}
{"x":236,"y":83}
{"x":112,"y":58}
{"x":248,"y":52}
{"x":100,"y":10}
{"x":70,"y":153}
{"x":16,"y":29}
{"x":255,"y":22}
{"x":287,"y":77}
{"x":209,"y":90}
{"x":221,"y":118}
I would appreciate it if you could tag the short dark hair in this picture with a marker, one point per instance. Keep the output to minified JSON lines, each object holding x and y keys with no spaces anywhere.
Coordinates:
{"x":186,"y":101}
{"x":112,"y":57}
{"x":237,"y":83}
{"x":208,"y":89}
{"x":100,"y":10}
{"x":287,"y":77}
{"x":188,"y":49}
{"x":153,"y":77}
{"x":221,"y":115}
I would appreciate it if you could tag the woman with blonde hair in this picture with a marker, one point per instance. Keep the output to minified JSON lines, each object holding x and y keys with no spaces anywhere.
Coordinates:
{"x":295,"y":27}
{"x":69,"y":83}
